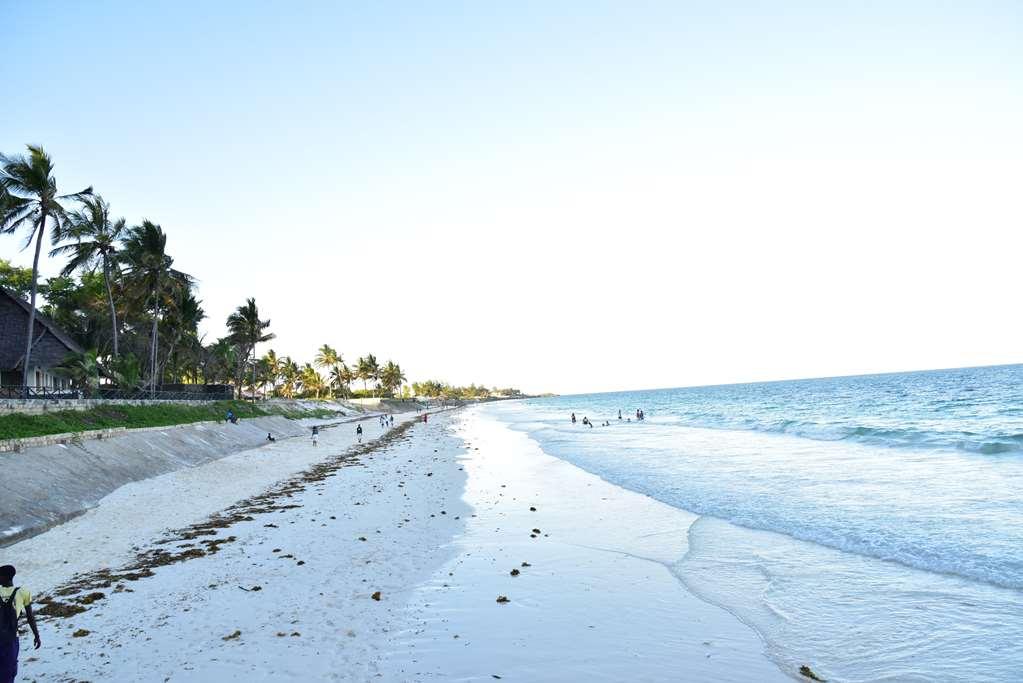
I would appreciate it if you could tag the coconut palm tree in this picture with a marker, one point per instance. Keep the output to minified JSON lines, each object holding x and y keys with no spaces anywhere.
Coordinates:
{"x":367,"y":369}
{"x":311,"y":380}
{"x":247,"y":330}
{"x":274,"y":369}
{"x":28,"y":200}
{"x":95,"y":243}
{"x":181,"y":321}
{"x":391,"y":376}
{"x":150,"y":274}
{"x":330,"y":360}
{"x":290,"y":374}
{"x":326,"y":357}
{"x":340,"y":379}
{"x":220,"y":359}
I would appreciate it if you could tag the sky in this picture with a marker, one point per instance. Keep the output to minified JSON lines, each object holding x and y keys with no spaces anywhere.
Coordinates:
{"x":557,"y":196}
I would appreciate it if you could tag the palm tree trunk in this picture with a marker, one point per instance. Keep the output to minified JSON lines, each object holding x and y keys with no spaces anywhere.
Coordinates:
{"x":110,"y":301}
{"x":32,"y":305}
{"x":152,"y":353}
{"x":172,"y":354}
{"x":253,"y":352}
{"x":240,"y":373}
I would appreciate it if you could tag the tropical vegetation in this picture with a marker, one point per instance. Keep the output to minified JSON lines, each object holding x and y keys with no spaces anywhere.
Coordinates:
{"x":121,"y":298}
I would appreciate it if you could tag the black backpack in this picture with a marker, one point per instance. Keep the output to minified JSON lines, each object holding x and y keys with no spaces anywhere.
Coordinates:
{"x":8,"y":618}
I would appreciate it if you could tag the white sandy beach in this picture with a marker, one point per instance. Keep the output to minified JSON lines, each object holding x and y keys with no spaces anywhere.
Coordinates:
{"x":435,"y":520}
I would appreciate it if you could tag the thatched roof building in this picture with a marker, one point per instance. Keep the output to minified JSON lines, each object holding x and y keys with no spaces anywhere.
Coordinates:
{"x":50,"y":344}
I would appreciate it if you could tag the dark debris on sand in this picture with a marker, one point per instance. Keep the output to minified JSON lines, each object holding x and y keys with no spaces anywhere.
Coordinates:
{"x":808,"y":673}
{"x":144,"y":563}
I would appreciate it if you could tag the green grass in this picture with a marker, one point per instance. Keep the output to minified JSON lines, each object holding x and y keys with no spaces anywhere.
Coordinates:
{"x":19,"y":426}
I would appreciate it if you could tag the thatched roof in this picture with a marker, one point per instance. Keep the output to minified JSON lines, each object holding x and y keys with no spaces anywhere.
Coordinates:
{"x":12,"y":335}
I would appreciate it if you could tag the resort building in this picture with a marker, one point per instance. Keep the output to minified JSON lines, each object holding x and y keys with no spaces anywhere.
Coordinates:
{"x":50,"y":345}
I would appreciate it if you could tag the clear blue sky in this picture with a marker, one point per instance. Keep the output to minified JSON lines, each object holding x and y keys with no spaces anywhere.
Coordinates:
{"x":635,"y":194}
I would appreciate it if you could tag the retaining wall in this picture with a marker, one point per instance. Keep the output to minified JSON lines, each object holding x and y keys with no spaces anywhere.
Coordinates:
{"x":34,"y":406}
{"x":63,"y":475}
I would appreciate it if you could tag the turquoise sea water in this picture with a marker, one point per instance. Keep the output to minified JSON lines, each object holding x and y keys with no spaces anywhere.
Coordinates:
{"x":870,"y":525}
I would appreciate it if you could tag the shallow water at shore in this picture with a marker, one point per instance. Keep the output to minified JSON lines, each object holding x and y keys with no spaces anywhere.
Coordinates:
{"x":880,"y":561}
{"x":593,"y":598}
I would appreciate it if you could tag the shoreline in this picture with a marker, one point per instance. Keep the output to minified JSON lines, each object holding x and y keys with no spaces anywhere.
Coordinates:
{"x":280,"y":584}
{"x":597,"y":599}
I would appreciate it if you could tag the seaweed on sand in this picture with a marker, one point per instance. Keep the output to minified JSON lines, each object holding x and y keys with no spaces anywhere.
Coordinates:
{"x":146,"y":561}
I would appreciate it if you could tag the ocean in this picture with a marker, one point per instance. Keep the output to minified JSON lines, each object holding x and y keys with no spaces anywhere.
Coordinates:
{"x":870,"y":527}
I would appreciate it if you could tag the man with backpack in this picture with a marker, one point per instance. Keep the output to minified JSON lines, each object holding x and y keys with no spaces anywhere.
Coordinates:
{"x":13,"y":601}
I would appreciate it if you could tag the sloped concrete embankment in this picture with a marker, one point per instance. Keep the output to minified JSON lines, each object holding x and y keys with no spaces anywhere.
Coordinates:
{"x":45,"y":485}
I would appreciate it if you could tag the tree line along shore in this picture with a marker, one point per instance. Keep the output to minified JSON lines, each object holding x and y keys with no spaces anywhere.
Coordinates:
{"x":136,"y":317}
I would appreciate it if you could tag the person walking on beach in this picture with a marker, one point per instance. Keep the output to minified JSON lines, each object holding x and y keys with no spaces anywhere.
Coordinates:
{"x":358,"y":432}
{"x":316,"y":435}
{"x":14,"y":601}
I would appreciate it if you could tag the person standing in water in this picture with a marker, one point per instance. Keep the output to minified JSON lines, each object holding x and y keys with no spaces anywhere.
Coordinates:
{"x":573,"y":418}
{"x":619,"y":413}
{"x":14,"y":601}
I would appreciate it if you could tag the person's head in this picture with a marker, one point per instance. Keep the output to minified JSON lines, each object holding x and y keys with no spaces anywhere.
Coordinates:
{"x":7,"y":575}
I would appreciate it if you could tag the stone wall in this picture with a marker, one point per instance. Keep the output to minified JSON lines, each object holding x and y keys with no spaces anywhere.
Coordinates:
{"x":37,"y":406}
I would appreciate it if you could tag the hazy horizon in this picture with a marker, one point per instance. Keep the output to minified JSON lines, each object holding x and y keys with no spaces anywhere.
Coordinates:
{"x":561,"y":197}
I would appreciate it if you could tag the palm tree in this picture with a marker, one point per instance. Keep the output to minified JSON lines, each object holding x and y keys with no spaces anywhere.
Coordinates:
{"x":340,"y":377}
{"x":291,"y":375}
{"x":150,"y":274}
{"x":29,"y":198}
{"x":83,"y":369}
{"x":331,"y":360}
{"x":367,"y":369}
{"x":125,"y":371}
{"x":274,"y":369}
{"x":220,"y":359}
{"x":182,"y":318}
{"x":311,"y":380}
{"x":391,"y":376}
{"x":247,"y":330}
{"x":95,"y":243}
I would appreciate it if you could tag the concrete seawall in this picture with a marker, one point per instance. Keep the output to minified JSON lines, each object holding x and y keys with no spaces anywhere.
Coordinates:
{"x":43,"y":485}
